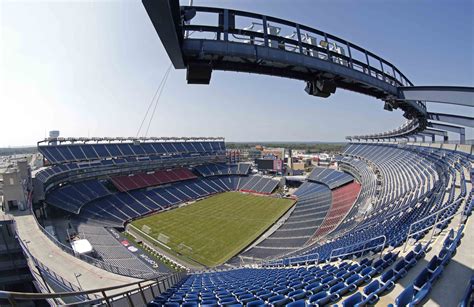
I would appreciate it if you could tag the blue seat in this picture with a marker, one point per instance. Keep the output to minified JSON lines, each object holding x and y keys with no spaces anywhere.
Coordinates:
{"x":435,"y":268}
{"x":323,"y":298}
{"x":445,"y":256}
{"x":467,"y":294}
{"x":281,"y":302}
{"x":298,"y":303}
{"x":405,"y":298}
{"x":316,"y":287}
{"x":256,"y":303}
{"x":422,"y":286}
{"x":190,"y":304}
{"x":266,"y":295}
{"x":341,"y":289}
{"x":368,"y":271}
{"x":353,"y":300}
{"x":357,"y":280}
{"x":297,"y":294}
{"x":209,"y":303}
{"x":410,"y":259}
{"x":372,"y":291}
{"x":390,"y":257}
{"x":399,"y":269}
{"x":419,"y":251}
{"x":228,"y":300}
{"x":276,"y":298}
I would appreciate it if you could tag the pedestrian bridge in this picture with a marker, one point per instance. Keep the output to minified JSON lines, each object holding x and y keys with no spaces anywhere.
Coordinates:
{"x":203,"y":39}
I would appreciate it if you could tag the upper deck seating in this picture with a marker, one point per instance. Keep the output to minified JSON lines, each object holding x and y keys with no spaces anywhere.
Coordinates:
{"x":64,"y":153}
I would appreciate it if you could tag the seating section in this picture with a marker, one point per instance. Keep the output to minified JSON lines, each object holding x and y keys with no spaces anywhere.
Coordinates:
{"x":257,"y":184}
{"x":320,"y":285}
{"x":118,"y":208}
{"x":121,"y":207}
{"x":117,"y":165}
{"x":342,"y":200}
{"x":207,"y":170}
{"x":148,"y":179}
{"x":314,"y":201}
{"x":417,"y":293}
{"x":87,"y":151}
{"x":330,"y":177}
{"x":414,"y":183}
{"x":109,"y":250}
{"x":72,"y":197}
{"x":365,"y":174}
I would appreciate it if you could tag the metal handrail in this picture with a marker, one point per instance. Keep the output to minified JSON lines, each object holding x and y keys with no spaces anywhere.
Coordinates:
{"x":138,"y":287}
{"x":436,"y":222}
{"x":316,"y":260}
{"x":363,"y":249}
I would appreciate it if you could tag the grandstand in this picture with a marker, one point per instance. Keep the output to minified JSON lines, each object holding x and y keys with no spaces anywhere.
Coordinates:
{"x":172,"y":222}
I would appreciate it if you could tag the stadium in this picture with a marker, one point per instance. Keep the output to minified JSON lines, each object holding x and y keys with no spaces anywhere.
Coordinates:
{"x":186,"y":221}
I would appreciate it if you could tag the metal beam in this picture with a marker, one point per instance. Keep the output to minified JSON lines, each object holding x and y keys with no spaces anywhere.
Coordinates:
{"x":457,"y":95}
{"x":455,"y":129}
{"x":419,"y":135}
{"x":460,"y":120}
{"x":166,"y":18}
{"x":435,"y":132}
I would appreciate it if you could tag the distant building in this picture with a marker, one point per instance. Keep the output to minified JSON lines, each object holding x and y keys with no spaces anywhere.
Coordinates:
{"x":15,"y":186}
{"x":233,"y":155}
{"x":278,"y":153}
{"x":324,"y":160}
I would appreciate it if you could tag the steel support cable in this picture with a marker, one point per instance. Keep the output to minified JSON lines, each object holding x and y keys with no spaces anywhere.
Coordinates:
{"x":152,"y":100}
{"x":163,"y":83}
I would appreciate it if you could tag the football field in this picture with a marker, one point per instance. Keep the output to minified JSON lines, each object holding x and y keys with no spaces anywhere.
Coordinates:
{"x":213,"y":230}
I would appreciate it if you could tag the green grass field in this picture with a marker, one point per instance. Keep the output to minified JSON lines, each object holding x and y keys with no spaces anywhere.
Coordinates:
{"x":213,"y":230}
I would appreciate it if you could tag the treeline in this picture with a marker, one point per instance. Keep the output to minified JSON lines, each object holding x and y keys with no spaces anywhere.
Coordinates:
{"x":17,"y":151}
{"x":307,"y":147}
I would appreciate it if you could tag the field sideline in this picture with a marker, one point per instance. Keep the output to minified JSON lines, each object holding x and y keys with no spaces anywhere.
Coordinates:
{"x":213,"y":230}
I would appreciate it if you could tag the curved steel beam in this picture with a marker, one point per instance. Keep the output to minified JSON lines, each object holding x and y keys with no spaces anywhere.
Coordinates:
{"x":451,"y":128}
{"x":323,"y":60}
{"x":166,"y":18}
{"x":465,"y":121}
{"x":457,"y":95}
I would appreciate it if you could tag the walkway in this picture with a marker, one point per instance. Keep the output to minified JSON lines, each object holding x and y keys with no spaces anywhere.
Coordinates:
{"x":63,"y":264}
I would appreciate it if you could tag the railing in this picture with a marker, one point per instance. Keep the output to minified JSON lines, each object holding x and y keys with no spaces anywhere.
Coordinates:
{"x":257,"y":29}
{"x":45,"y":276}
{"x":306,"y":259}
{"x":292,"y":261}
{"x":361,"y":250}
{"x":134,"y":294}
{"x":436,"y":222}
{"x":406,"y":129}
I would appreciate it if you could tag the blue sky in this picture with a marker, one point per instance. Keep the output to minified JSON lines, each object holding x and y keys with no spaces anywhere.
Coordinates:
{"x":91,"y":68}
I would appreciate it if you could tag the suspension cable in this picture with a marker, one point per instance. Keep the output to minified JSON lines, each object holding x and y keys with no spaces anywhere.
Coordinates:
{"x":161,"y":87}
{"x":153,"y":100}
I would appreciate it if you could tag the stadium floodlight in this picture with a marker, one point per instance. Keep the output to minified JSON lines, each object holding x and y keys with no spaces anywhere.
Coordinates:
{"x":320,"y":87}
{"x":387,"y":106}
